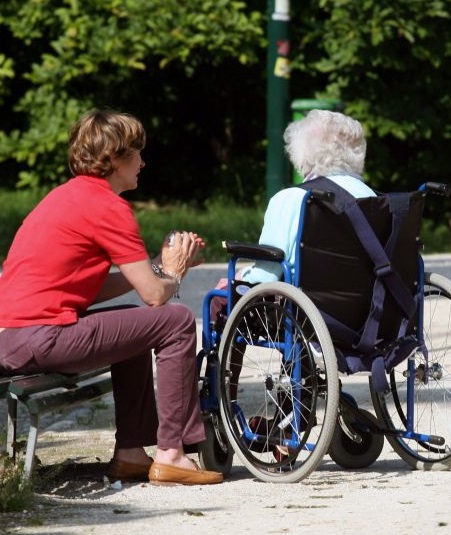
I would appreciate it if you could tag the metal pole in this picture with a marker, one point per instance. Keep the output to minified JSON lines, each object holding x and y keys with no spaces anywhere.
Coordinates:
{"x":278,"y":106}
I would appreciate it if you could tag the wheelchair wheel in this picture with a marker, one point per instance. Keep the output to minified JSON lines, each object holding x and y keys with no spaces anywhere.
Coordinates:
{"x":215,"y":453}
{"x":278,"y":383}
{"x":431,"y":387}
{"x":363,"y":448}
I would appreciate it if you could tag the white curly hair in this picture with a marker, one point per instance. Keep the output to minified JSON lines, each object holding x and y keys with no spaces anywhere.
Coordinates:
{"x":325,"y":143}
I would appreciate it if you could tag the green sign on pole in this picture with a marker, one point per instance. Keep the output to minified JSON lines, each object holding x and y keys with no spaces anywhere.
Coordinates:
{"x":278,"y":98}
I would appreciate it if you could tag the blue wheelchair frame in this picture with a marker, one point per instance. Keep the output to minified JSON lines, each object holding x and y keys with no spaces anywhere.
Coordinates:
{"x":211,"y":338}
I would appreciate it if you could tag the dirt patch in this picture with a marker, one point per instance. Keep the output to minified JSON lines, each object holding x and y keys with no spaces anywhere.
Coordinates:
{"x":71,"y":480}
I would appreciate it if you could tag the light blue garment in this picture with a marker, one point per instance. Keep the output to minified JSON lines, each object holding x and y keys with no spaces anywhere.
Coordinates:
{"x":281,"y":226}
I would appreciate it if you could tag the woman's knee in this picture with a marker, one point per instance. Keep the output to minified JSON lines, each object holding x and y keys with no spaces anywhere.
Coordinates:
{"x":182,"y":317}
{"x":179,"y":330}
{"x":183,"y":314}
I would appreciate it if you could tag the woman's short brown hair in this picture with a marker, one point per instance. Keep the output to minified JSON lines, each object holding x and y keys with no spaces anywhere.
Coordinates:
{"x":98,"y":137}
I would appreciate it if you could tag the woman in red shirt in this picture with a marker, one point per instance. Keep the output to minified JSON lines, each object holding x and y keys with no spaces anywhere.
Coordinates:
{"x":59,"y":264}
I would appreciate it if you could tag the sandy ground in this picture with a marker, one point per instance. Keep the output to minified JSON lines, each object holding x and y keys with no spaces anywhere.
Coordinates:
{"x":72,"y":497}
{"x":387,"y":497}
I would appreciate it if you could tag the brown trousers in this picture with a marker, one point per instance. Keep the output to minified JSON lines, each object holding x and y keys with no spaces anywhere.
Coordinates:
{"x":124,"y":338}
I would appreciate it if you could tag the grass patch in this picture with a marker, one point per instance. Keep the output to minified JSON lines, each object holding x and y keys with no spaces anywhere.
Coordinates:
{"x":16,"y":494}
{"x":215,"y":222}
{"x":14,"y":206}
{"x":436,"y":238}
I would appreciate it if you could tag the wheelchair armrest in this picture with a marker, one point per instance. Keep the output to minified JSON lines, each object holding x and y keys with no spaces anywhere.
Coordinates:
{"x":254,"y":251}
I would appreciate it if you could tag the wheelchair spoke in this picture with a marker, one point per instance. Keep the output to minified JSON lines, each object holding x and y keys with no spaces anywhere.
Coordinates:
{"x":277,"y":404}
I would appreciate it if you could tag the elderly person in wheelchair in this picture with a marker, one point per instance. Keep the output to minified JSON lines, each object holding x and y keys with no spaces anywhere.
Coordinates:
{"x":336,"y":284}
{"x":323,"y":144}
{"x":327,"y":144}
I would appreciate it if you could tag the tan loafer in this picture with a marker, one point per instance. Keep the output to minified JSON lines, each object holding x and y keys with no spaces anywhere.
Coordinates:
{"x":125,"y":471}
{"x":167,"y":474}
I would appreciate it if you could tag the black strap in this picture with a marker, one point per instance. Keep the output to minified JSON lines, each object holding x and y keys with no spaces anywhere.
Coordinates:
{"x":386,"y":277}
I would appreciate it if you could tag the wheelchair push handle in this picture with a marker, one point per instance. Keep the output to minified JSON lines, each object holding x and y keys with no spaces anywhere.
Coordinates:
{"x":437,"y":188}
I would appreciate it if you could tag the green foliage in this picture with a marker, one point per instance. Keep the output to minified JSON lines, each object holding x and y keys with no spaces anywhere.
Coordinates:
{"x":195,"y":73}
{"x":15,"y":493}
{"x":216,"y":221}
{"x":130,"y":54}
{"x":388,"y":63}
{"x":436,"y":237}
{"x":6,"y":67}
{"x":14,"y":206}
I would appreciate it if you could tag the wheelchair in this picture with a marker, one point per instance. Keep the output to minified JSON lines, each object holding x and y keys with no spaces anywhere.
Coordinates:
{"x":358,"y":301}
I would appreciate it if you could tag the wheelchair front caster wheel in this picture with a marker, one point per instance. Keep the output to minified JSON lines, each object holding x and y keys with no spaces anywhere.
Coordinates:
{"x":349,"y":453}
{"x":216,"y":453}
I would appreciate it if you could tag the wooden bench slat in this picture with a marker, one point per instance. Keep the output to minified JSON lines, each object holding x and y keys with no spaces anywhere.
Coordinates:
{"x":59,"y":400}
{"x":27,"y":385}
{"x":6,"y":380}
{"x":42,"y":393}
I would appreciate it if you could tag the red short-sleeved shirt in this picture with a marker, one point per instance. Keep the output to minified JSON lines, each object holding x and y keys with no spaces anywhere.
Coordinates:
{"x":62,"y":253}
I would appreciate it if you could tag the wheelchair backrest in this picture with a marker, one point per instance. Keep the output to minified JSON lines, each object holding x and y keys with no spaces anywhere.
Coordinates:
{"x":337,"y":273}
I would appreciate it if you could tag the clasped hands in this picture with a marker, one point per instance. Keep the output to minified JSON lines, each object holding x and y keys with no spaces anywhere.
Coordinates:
{"x":182,"y":253}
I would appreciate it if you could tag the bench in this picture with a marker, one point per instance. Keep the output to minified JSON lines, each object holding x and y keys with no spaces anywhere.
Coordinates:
{"x":46,"y":392}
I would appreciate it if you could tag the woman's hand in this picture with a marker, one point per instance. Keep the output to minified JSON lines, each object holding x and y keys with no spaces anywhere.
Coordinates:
{"x":181,"y":254}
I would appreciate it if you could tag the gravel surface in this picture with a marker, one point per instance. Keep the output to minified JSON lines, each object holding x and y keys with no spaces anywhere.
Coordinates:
{"x":387,"y":497}
{"x":72,"y":496}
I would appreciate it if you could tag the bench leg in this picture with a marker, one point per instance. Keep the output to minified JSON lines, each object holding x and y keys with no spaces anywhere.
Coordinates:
{"x":11,"y":436}
{"x":31,"y":444}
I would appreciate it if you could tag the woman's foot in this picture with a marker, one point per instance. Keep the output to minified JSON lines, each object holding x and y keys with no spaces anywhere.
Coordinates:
{"x":174,"y":457}
{"x":129,"y":464}
{"x":174,"y":467}
{"x":131,"y":455}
